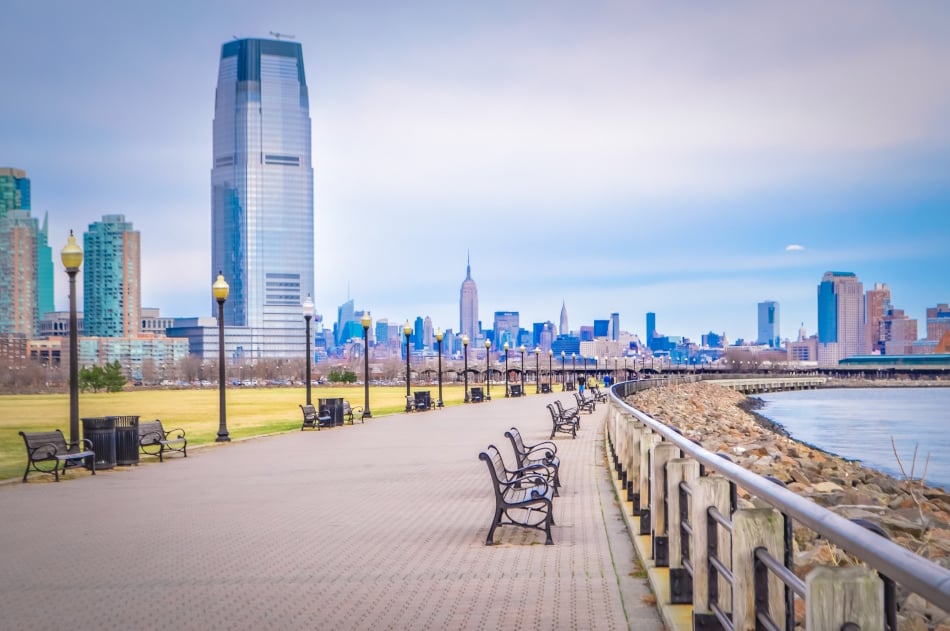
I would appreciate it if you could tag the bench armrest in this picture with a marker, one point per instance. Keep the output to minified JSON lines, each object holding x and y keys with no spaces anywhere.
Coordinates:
{"x":181,"y":432}
{"x":539,"y":452}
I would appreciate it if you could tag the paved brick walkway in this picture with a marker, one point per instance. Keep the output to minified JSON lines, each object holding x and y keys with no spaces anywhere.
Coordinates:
{"x":375,"y":526}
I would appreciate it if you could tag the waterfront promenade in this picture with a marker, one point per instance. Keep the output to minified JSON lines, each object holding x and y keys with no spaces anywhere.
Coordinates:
{"x":376,"y":526}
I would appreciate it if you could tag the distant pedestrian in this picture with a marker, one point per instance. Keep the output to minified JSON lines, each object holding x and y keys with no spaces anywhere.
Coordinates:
{"x":580,"y":386}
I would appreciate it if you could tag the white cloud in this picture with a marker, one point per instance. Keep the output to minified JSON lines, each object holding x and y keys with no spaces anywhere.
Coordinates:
{"x":794,"y":247}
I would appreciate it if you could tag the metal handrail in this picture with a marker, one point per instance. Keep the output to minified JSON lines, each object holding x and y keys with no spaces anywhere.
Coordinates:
{"x":914,"y":572}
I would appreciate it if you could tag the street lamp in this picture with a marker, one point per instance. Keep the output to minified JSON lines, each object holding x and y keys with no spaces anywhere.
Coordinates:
{"x":465,"y":371}
{"x":307,"y":308}
{"x":563,"y":379}
{"x":522,"y":370}
{"x":71,"y":256}
{"x":438,"y":338}
{"x":366,"y":321}
{"x":407,"y":331}
{"x":573,"y":368}
{"x":537,"y":370}
{"x":585,"y":370}
{"x":220,"y":290}
{"x":550,"y":372}
{"x":506,"y":370}
{"x":596,"y":362}
{"x":487,"y":370}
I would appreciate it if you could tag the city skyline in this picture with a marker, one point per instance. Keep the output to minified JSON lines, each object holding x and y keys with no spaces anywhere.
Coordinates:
{"x":687,"y":162}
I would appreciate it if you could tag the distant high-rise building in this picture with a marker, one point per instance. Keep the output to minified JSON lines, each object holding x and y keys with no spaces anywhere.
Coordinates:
{"x":428,"y":335}
{"x":418,"y":333}
{"x":938,"y":322}
{"x":613,"y":331}
{"x":344,"y":315}
{"x":468,"y":304}
{"x":769,"y":328}
{"x":900,"y":332}
{"x":564,"y":330}
{"x":601,"y":328}
{"x":651,"y":328}
{"x":506,"y":328}
{"x":18,"y":302}
{"x":112,"y":286}
{"x":262,"y":193}
{"x":14,"y":190}
{"x":840,"y":317}
{"x":877,"y":301}
{"x":44,"y":270}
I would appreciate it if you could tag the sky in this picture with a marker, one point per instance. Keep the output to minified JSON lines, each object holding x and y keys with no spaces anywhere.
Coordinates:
{"x":690,"y":159}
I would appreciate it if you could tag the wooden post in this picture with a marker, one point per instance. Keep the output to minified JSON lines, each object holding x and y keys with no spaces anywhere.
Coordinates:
{"x":708,"y":491}
{"x":662,"y":454}
{"x":755,"y":528}
{"x":837,"y":595}
{"x":678,"y":470}
{"x":646,"y":447}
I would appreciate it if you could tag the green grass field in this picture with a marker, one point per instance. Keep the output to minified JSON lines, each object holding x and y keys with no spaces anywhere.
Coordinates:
{"x":251,"y":411}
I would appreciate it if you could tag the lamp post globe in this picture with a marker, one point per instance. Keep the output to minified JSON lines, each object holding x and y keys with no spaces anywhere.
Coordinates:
{"x":71,"y":256}
{"x":366,"y":321}
{"x":521,"y":348}
{"x":220,"y":289}
{"x":506,"y":370}
{"x":537,"y":370}
{"x":438,"y":338}
{"x":465,"y":366}
{"x":407,"y":331}
{"x":488,"y":370}
{"x":307,"y":308}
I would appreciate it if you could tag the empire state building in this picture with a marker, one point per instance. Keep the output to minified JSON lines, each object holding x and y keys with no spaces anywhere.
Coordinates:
{"x":468,"y":304}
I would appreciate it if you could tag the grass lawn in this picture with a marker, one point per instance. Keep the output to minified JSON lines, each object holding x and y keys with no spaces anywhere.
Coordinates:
{"x":251,"y":412}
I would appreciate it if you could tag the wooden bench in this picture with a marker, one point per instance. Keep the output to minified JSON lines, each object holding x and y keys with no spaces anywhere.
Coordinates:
{"x":544,"y":452}
{"x":155,"y":441}
{"x":583,"y":403}
{"x":44,"y":447}
{"x":561,"y":423}
{"x":523,"y":497}
{"x":568,"y":414}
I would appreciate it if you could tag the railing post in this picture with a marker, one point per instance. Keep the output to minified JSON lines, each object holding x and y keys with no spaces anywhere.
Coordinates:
{"x":754,"y":528}
{"x":637,"y":430}
{"x":678,"y":470}
{"x":836,"y":596}
{"x":708,"y":491}
{"x":663,"y":453}
{"x":646,"y":447}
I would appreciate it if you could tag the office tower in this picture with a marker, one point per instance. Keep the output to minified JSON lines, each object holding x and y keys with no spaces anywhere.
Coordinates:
{"x":418,"y":333}
{"x":112,"y":301}
{"x":344,"y":315}
{"x":382,"y":332}
{"x":44,"y":270}
{"x":769,"y":327}
{"x":840,"y":317}
{"x":877,"y":301}
{"x":262,"y":193}
{"x":900,"y":332}
{"x":601,"y":328}
{"x":506,"y":328}
{"x":651,"y":328}
{"x":18,"y":312}
{"x":938,"y":322}
{"x":468,"y":304}
{"x":14,"y":190}
{"x":428,"y":335}
{"x":613,"y":331}
{"x":564,"y":330}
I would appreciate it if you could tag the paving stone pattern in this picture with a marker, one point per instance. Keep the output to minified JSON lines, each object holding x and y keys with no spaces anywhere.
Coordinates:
{"x":374,"y":526}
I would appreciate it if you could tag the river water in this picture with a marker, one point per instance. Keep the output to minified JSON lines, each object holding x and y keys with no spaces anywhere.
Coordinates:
{"x":858,"y":423}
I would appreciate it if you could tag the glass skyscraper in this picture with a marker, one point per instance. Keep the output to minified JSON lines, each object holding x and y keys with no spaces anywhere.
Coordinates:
{"x":262,"y":194}
{"x":112,"y":273}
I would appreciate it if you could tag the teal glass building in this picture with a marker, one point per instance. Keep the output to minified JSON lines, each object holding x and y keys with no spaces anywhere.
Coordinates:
{"x":262,"y":194}
{"x":112,"y":273}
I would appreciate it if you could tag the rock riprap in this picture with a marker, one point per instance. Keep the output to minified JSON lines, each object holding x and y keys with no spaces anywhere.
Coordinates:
{"x":913,"y":514}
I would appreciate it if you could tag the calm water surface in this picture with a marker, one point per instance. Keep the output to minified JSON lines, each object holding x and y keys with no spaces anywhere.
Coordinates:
{"x":859,"y":423}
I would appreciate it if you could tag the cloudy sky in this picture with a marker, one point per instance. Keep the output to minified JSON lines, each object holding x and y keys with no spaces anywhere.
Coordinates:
{"x":691,"y":159}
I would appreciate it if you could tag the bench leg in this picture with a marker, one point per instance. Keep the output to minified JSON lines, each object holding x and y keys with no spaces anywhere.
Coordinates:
{"x":547,"y":528}
{"x":494,"y":524}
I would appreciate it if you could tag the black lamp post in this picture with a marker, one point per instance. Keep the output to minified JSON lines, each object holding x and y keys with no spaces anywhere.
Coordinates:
{"x":506,"y":370}
{"x":563,"y":373}
{"x":220,"y":290}
{"x":366,"y":321}
{"x":407,"y":331}
{"x":307,"y":307}
{"x":438,"y":338}
{"x":585,"y":370}
{"x":537,"y":370}
{"x":71,"y":256}
{"x":522,"y":370}
{"x":465,"y":371}
{"x":573,"y":368}
{"x":488,"y":370}
{"x":596,"y":364}
{"x":550,"y":372}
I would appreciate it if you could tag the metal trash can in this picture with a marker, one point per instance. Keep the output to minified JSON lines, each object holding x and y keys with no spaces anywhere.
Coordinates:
{"x":100,"y":430}
{"x":126,"y":440}
{"x":335,"y":406}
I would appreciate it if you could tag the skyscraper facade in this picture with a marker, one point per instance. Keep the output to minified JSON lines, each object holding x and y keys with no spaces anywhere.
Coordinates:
{"x":877,"y":302}
{"x":262,"y":193}
{"x":506,"y":328}
{"x":651,"y":328}
{"x":564,"y":330}
{"x":614,"y":330}
{"x":18,"y":300}
{"x":468,"y":304}
{"x":769,"y":324}
{"x":14,"y":190}
{"x":112,"y":285}
{"x":840,"y":317}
